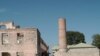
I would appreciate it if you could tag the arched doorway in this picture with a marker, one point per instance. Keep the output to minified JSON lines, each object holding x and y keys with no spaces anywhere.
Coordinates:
{"x":5,"y":54}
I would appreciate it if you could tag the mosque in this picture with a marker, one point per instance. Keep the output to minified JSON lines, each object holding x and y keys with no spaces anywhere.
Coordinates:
{"x":80,"y":49}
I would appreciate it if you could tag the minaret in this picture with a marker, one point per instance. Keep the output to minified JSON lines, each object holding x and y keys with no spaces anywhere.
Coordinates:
{"x":62,"y":34}
{"x":62,"y":38}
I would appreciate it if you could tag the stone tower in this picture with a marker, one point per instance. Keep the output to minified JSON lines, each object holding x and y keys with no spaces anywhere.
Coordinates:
{"x":62,"y":38}
{"x":62,"y":34}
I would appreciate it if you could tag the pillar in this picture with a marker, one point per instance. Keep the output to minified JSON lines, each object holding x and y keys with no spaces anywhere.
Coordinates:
{"x":62,"y":34}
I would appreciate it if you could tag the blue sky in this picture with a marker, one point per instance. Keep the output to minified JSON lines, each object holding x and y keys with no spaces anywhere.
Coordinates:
{"x":81,"y":15}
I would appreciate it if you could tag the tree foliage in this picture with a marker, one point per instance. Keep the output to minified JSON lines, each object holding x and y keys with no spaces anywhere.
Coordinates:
{"x":74,"y":37}
{"x":96,"y":40}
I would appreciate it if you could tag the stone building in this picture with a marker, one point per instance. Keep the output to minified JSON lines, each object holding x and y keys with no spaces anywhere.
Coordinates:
{"x":16,"y":41}
{"x":80,"y":49}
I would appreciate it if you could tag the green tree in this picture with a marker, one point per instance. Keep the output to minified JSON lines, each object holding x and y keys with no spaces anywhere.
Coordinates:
{"x":96,"y":40}
{"x":74,"y":37}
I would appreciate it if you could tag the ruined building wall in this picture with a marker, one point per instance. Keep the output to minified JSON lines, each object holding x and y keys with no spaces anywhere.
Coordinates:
{"x":27,"y":44}
{"x":20,"y":42}
{"x":42,"y":47}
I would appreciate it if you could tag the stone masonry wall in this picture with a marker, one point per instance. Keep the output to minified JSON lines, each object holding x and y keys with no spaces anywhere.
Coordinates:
{"x":28,"y":46}
{"x":83,"y":52}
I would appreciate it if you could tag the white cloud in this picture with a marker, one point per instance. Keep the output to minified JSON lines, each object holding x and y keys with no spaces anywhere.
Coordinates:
{"x":2,"y":10}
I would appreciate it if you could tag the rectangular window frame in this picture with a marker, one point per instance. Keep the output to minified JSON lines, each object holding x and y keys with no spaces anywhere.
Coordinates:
{"x":20,"y":38}
{"x":4,"y":39}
